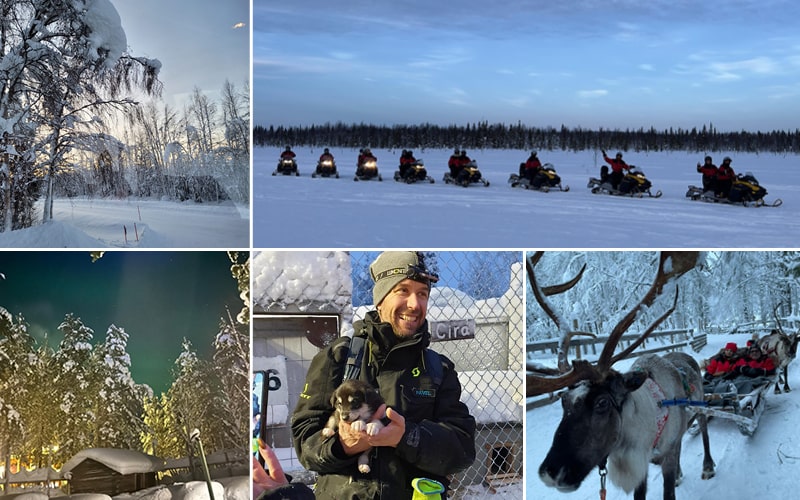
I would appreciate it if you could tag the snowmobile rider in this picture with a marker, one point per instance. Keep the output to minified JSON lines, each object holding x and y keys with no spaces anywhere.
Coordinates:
{"x":406,"y":160}
{"x":326,"y":156}
{"x":709,"y":171}
{"x":725,"y":177}
{"x":364,"y":156}
{"x":454,"y":163}
{"x":618,"y":168}
{"x":288,"y":154}
{"x":463,"y":162}
{"x":530,"y":169}
{"x":428,"y":433}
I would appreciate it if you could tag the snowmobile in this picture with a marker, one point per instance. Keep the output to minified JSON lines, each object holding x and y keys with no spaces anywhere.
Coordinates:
{"x":745,"y":191}
{"x":415,"y":172}
{"x":633,"y":184}
{"x":286,"y":166}
{"x":545,"y":180}
{"x":468,"y":175}
{"x":367,"y":170}
{"x":326,"y":168}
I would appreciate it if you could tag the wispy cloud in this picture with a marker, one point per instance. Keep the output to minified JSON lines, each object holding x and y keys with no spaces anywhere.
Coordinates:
{"x":238,"y":26}
{"x":592,"y":94}
{"x":736,"y":70}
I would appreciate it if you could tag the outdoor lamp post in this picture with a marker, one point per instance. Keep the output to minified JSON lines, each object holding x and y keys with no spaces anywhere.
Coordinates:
{"x":195,"y":436}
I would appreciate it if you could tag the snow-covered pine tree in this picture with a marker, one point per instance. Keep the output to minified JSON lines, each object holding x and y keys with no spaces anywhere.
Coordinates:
{"x":232,"y":367}
{"x":159,"y":437}
{"x":17,"y":355}
{"x":72,"y":378}
{"x":191,"y":397}
{"x":118,"y":406}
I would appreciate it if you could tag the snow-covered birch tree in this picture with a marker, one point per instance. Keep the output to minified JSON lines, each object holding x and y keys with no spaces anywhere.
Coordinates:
{"x":62,"y":63}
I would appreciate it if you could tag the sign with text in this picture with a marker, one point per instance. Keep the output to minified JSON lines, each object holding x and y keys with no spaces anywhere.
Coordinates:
{"x":454,"y":329}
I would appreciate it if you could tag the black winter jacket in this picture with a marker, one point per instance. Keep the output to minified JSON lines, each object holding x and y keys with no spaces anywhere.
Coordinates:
{"x":440,"y":433}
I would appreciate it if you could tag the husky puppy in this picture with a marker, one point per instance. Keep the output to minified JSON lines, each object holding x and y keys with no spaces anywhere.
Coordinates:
{"x":355,"y":402}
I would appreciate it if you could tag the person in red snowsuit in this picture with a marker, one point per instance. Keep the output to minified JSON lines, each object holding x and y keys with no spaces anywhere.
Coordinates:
{"x":288,"y":154}
{"x":463,"y":161}
{"x":454,"y":163}
{"x":709,"y":171}
{"x":406,"y":159}
{"x":725,"y":177}
{"x":618,"y":168}
{"x":723,"y":363}
{"x":753,"y":371}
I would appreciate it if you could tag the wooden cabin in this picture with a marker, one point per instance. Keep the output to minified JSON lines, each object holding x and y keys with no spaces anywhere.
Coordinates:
{"x":111,"y":471}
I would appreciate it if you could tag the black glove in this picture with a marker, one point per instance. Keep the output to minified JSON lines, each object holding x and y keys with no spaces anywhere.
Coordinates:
{"x":708,"y":377}
{"x":730,"y":375}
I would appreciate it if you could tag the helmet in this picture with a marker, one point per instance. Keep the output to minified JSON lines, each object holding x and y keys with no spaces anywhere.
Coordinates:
{"x":619,"y":154}
{"x":288,"y":148}
{"x":456,"y":151}
{"x":533,"y":153}
{"x":727,"y":159}
{"x":708,"y":159}
{"x":463,"y":152}
{"x":326,"y":150}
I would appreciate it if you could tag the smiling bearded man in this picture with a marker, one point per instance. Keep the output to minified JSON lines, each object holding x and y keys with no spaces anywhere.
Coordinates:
{"x":428,"y":431}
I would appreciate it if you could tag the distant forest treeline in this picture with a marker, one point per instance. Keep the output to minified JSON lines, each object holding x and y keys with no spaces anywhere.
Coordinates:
{"x":501,"y":136}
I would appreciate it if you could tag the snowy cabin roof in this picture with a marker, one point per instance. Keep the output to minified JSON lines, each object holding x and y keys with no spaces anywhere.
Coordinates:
{"x":121,"y":461}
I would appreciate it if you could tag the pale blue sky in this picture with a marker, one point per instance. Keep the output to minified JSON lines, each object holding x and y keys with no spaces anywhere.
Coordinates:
{"x":199,"y":42}
{"x":589,"y":63}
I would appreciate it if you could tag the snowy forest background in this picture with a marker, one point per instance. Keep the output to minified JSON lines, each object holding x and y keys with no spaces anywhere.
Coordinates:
{"x":727,"y":289}
{"x":80,"y":116}
{"x":57,"y":401}
{"x":483,"y":135}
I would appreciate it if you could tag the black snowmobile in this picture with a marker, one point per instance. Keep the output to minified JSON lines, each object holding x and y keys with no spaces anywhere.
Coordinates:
{"x":468,"y":175}
{"x":326,"y":168}
{"x":414,"y":172}
{"x":546,"y":179}
{"x":286,"y":166}
{"x":367,"y":170}
{"x":633,"y":184}
{"x":745,"y":191}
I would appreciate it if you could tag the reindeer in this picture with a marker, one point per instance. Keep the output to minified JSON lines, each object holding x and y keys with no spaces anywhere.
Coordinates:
{"x":620,"y":419}
{"x":782,"y":348}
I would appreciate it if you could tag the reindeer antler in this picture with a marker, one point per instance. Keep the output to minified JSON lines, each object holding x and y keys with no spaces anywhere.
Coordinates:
{"x":671,"y":265}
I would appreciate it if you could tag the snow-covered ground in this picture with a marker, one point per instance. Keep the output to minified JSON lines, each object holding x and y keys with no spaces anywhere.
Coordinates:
{"x":301,"y":212}
{"x":747,"y":467}
{"x":105,"y":223}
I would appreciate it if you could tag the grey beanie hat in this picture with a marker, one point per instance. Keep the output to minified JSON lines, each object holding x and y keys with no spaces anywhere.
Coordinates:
{"x":390,"y":268}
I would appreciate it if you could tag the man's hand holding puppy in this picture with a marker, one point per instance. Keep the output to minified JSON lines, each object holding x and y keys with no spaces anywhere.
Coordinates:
{"x":355,"y":442}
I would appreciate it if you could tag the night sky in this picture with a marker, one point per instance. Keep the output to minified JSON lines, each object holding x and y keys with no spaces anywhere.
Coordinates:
{"x":157,"y":297}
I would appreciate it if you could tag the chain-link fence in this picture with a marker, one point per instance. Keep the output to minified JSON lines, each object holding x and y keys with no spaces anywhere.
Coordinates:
{"x":305,"y":300}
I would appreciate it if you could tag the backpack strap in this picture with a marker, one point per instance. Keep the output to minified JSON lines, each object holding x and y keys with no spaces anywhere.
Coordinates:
{"x":352,"y":368}
{"x":434,"y":366}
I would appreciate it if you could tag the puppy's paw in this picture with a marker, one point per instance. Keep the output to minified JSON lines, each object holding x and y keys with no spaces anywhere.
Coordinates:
{"x":364,"y":468}
{"x":328,"y":432}
{"x":374,"y":428}
{"x":357,"y":426}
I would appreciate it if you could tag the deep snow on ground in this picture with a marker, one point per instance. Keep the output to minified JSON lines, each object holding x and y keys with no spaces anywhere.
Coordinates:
{"x":766,"y":464}
{"x":105,"y":223}
{"x":301,"y":212}
{"x":232,"y":488}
